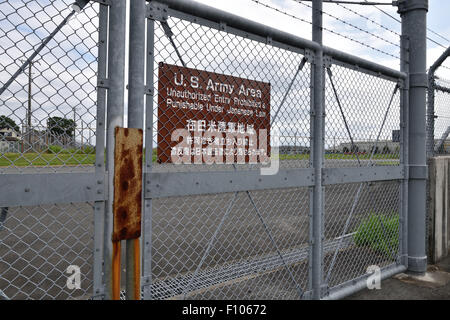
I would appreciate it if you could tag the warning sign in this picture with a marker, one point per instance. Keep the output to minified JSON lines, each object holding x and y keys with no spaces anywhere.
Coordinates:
{"x":205,"y":117}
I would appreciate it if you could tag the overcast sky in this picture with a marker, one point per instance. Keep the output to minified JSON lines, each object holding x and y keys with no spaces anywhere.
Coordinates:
{"x":438,"y":21}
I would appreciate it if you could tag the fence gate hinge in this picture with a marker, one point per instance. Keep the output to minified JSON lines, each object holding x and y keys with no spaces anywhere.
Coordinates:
{"x":104,"y":2}
{"x":103,"y":83}
{"x":157,"y":11}
{"x":309,"y":56}
{"x":149,"y":90}
{"x":146,"y":281}
{"x":99,"y":294}
{"x":327,"y":62}
{"x":223,"y":26}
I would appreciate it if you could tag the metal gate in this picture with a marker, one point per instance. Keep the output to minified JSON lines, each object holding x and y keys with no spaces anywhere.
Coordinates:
{"x":333,"y":213}
{"x":221,"y":232}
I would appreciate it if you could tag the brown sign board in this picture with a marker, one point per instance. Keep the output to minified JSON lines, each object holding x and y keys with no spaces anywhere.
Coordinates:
{"x":203,"y":114}
{"x":127,"y":203}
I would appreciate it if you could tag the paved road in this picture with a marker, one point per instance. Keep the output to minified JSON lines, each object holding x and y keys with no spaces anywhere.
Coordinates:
{"x":37,"y":244}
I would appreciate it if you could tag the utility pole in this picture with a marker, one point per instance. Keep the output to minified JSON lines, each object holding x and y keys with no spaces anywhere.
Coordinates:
{"x":29,"y":111}
{"x":74,"y":126}
{"x":29,"y":102}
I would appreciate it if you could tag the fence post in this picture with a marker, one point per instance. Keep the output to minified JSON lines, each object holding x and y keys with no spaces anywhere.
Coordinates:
{"x":317,"y":114}
{"x":404,"y":114}
{"x":115,"y":109}
{"x":135,"y":120}
{"x":414,"y":23}
{"x":148,"y":133}
{"x":99,"y":206}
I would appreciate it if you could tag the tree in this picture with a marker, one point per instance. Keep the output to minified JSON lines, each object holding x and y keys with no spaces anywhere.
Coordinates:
{"x":60,"y":126}
{"x":8,"y":123}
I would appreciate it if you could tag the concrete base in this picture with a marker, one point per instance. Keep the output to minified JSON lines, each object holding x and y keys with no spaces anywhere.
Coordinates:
{"x":439,"y":209}
{"x":433,"y":279}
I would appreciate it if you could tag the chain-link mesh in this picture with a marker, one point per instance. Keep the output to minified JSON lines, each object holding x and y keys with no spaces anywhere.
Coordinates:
{"x":364,"y":220}
{"x":438,"y":143}
{"x":227,"y":246}
{"x":38,"y":244}
{"x":441,"y":117}
{"x":362,"y":126}
{"x":362,"y":130}
{"x":48,"y":111}
{"x":47,"y":125}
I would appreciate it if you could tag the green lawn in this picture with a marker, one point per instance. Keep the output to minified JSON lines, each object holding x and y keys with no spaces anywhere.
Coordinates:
{"x":44,"y":159}
{"x":340,"y":156}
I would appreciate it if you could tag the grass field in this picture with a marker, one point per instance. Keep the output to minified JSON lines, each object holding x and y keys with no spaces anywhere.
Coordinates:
{"x":44,"y":159}
{"x":341,"y":156}
{"x":52,"y":159}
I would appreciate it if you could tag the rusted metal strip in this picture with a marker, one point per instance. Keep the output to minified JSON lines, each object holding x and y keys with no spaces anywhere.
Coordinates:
{"x":116,"y":271}
{"x":137,"y":269}
{"x":127,"y":204}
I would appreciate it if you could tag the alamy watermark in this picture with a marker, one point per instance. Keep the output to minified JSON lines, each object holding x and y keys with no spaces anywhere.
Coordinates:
{"x":373,"y":282}
{"x":74,"y":279}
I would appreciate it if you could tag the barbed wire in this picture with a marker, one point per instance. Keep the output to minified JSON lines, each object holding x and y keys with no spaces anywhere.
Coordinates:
{"x":429,"y":29}
{"x":368,"y":19}
{"x":350,"y":24}
{"x":435,"y":42}
{"x":437,"y":34}
{"x":281,"y":11}
{"x":327,"y":29}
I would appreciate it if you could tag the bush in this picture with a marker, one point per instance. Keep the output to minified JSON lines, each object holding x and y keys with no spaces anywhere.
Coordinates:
{"x":84,"y":150}
{"x":88,"y":150}
{"x":54,"y":149}
{"x":379,"y":232}
{"x":58,"y":149}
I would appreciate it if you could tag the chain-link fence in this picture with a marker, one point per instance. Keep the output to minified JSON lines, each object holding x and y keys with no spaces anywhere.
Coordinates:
{"x":48,"y":98}
{"x":48,"y":110}
{"x":333,"y":210}
{"x":363,"y":218}
{"x":438,"y":148}
{"x":441,"y":122}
